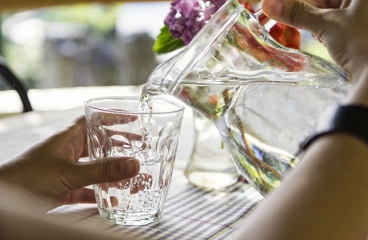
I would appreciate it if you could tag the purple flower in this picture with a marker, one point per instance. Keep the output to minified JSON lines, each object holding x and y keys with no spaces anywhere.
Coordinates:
{"x":187,"y":17}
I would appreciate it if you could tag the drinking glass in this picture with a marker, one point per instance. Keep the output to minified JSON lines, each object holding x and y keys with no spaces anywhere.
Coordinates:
{"x":116,"y":128}
{"x":210,"y":165}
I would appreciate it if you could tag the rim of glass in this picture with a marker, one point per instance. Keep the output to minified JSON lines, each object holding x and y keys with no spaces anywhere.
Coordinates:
{"x":87,"y":104}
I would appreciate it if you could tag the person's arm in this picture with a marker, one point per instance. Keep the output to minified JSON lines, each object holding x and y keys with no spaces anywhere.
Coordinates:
{"x":326,"y":196}
{"x":19,"y":222}
{"x":50,"y":174}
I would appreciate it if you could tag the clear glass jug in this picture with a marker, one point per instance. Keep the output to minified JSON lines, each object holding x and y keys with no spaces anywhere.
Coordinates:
{"x":263,"y":98}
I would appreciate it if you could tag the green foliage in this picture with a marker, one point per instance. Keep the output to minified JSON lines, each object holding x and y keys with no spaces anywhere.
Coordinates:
{"x":166,"y":42}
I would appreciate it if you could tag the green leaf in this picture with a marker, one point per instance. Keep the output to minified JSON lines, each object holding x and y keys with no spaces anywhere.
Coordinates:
{"x":166,"y":42}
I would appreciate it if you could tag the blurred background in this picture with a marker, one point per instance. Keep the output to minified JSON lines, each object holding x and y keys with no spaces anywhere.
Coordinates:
{"x":85,"y":45}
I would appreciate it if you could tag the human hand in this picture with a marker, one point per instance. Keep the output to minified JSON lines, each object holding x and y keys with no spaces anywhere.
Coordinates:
{"x":50,"y":174}
{"x":339,"y":24}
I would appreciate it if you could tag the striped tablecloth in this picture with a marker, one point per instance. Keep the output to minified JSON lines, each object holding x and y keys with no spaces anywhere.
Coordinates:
{"x":189,"y":212}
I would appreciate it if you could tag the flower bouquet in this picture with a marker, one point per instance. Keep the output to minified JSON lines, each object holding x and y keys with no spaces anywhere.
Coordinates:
{"x":187,"y":17}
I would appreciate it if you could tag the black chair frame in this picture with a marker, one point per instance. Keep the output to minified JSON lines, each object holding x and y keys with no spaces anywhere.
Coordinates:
{"x":14,"y":83}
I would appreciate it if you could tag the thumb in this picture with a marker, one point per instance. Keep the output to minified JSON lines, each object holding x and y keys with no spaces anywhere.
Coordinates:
{"x":295,"y":13}
{"x":104,"y":170}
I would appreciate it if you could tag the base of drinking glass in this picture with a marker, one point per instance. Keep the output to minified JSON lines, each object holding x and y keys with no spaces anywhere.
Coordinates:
{"x":212,"y":180}
{"x":124,"y":218}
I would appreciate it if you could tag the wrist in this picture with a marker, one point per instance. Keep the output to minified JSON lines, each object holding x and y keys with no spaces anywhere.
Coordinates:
{"x":347,"y":119}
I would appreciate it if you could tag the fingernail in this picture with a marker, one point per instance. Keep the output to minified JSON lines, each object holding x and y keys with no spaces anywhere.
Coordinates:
{"x":130,"y":167}
{"x":272,"y":7}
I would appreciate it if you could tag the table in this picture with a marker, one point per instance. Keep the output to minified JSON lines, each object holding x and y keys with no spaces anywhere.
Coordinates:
{"x":189,"y":212}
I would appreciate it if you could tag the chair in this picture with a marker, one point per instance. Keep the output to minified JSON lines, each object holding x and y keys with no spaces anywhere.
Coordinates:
{"x":12,"y":81}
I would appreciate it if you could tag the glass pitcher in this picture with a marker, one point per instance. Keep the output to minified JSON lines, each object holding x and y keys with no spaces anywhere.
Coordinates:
{"x":263,"y":98}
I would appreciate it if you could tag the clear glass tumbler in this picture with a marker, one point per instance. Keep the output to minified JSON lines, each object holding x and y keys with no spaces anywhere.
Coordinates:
{"x":116,"y":128}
